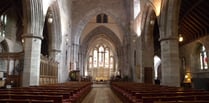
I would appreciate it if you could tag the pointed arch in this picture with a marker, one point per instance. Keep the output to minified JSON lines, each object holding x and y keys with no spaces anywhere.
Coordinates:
{"x":101,"y":30}
{"x":55,"y":37}
{"x":4,"y":46}
{"x":83,"y":22}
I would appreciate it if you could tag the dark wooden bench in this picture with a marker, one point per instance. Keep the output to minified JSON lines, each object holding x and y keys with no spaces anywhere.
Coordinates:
{"x":146,"y":93}
{"x":197,"y":101}
{"x":55,"y":98}
{"x":71,"y":92}
{"x":24,"y":101}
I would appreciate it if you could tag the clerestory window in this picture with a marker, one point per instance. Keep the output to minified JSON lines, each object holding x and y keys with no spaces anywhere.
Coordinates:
{"x":102,"y":18}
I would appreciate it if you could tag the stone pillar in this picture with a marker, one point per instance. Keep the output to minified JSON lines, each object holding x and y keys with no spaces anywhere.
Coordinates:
{"x":170,"y":62}
{"x":80,"y":57}
{"x":74,"y":56}
{"x":32,"y":52}
{"x":126,"y":58}
{"x":169,"y":42}
{"x":53,"y":53}
{"x":133,"y":57}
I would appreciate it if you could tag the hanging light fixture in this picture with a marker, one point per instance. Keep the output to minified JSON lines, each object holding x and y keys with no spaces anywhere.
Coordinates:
{"x":181,"y":38}
{"x":50,"y":19}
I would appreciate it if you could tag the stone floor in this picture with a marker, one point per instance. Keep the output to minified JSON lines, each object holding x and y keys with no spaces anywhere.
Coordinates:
{"x":101,"y":93}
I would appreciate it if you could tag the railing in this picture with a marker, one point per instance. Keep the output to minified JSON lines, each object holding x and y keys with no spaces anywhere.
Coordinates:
{"x":48,"y":71}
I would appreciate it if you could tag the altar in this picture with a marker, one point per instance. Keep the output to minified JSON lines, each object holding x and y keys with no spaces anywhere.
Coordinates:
{"x":101,"y":74}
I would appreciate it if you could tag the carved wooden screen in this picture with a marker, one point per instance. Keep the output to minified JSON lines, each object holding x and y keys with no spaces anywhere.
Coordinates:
{"x":48,"y":71}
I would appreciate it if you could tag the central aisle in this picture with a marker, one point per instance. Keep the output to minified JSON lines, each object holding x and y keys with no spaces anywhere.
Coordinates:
{"x":101,"y":93}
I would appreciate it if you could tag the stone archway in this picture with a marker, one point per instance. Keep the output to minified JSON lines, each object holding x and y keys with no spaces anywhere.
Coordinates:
{"x":83,"y":22}
{"x":79,"y":28}
{"x":147,"y":37}
{"x":100,"y":32}
{"x":106,"y":67}
{"x":54,"y":30}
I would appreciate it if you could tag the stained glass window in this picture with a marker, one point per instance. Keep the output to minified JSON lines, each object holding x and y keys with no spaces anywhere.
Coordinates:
{"x":106,"y":58}
{"x":3,"y":22}
{"x":203,"y":58}
{"x":101,"y":56}
{"x":95,"y":58}
{"x":90,"y":62}
{"x":111,"y":62}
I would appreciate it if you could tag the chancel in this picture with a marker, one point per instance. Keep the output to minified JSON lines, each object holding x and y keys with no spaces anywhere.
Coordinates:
{"x":104,"y":51}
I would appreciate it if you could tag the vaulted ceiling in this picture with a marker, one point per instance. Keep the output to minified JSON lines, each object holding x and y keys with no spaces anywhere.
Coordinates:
{"x":193,"y":20}
{"x":16,"y":5}
{"x":193,"y":17}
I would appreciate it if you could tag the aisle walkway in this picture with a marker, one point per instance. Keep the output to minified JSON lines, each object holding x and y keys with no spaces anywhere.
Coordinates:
{"x":101,"y":93}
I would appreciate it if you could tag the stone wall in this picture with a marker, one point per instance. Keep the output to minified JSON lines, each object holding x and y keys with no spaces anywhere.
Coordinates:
{"x":191,"y":64}
{"x":189,"y":52}
{"x":82,"y":13}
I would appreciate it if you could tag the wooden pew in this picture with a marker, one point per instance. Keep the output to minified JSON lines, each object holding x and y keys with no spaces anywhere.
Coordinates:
{"x":146,"y":93}
{"x":197,"y":101}
{"x":58,"y":93}
{"x":167,"y":98}
{"x":55,"y":98}
{"x":24,"y":101}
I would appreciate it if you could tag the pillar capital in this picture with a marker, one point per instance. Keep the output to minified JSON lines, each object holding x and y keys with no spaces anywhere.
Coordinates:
{"x":55,"y":50}
{"x":32,"y":36}
{"x":168,"y":38}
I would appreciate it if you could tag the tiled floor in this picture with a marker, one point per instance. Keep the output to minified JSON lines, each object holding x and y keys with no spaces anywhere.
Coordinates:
{"x":101,"y":93}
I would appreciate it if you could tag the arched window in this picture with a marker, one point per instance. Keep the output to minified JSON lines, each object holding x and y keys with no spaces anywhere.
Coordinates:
{"x":136,"y":8}
{"x":101,"y":56}
{"x":90,"y":62}
{"x":203,"y":58}
{"x":111,"y":62}
{"x":106,"y":58}
{"x":95,"y":58}
{"x":3,"y":22}
{"x":102,"y":18}
{"x":105,"y":18}
{"x":99,"y":19}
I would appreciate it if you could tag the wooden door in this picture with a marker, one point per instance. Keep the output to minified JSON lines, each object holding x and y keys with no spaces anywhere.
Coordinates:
{"x":148,"y":75}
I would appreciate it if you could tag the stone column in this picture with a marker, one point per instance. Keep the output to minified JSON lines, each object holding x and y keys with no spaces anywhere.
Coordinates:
{"x":133,"y":58}
{"x":53,"y":53}
{"x":170,"y":62}
{"x":74,"y":56}
{"x":33,"y":21}
{"x":169,"y":42}
{"x":32,"y":52}
{"x":80,"y":57}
